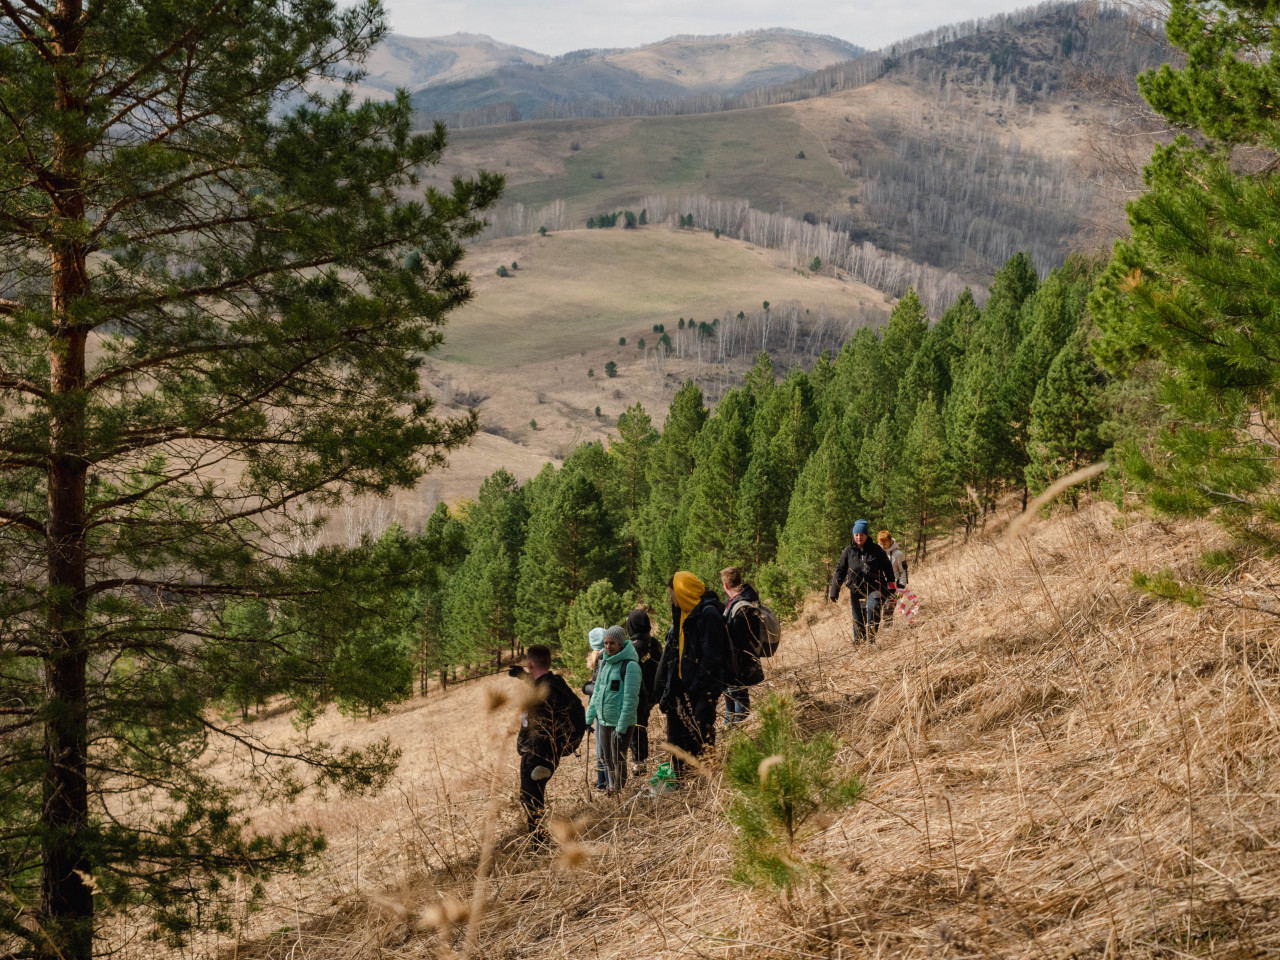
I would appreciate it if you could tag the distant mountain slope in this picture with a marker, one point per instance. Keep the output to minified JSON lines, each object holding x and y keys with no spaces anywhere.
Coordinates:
{"x":413,"y":62}
{"x":678,"y":67}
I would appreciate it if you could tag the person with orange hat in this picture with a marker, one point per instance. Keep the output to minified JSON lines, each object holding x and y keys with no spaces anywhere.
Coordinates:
{"x":694,"y":665}
{"x":898,"y":560}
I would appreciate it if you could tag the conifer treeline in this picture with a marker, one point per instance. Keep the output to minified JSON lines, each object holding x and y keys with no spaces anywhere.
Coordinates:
{"x":919,"y":428}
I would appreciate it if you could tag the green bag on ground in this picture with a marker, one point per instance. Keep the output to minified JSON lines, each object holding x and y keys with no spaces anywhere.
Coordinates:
{"x":663,"y":779}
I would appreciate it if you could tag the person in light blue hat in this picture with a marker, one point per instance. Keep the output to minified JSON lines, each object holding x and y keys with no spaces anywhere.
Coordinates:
{"x":614,"y":701}
{"x":595,"y":637}
{"x":865,"y":569}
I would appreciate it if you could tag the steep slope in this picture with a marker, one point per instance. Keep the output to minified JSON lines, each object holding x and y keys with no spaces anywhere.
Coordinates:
{"x":1056,"y":766}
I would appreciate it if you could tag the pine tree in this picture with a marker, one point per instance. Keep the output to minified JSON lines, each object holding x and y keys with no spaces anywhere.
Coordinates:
{"x":250,"y":678}
{"x":372,"y":632}
{"x":630,"y":452}
{"x":977,"y":431}
{"x":481,"y":606}
{"x":926,"y":483}
{"x":1051,"y":315}
{"x":570,"y":544}
{"x":1000,"y":328}
{"x":860,"y":384}
{"x":956,"y":330}
{"x":782,"y":440}
{"x":783,"y":782}
{"x":903,"y":336}
{"x":760,"y":380}
{"x":1066,"y":417}
{"x":1191,"y":292}
{"x":598,"y":605}
{"x":192,"y":276}
{"x":723,"y":453}
{"x":670,"y":467}
{"x":444,"y":545}
{"x":980,"y":424}
{"x":822,"y":511}
{"x":673,"y":460}
{"x":928,"y":375}
{"x":877,"y":465}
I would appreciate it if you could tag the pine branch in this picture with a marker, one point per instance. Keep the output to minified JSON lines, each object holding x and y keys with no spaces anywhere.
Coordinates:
{"x":11,"y":518}
{"x":196,"y":589}
{"x":158,"y":58}
{"x":24,"y":27}
{"x":134,"y":199}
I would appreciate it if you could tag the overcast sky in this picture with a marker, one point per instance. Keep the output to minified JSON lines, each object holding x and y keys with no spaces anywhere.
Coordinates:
{"x":558,"y":26}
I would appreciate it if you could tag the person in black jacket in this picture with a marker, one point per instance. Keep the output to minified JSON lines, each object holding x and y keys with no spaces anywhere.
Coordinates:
{"x":742,"y":622}
{"x":649,"y":650}
{"x":865,"y":569}
{"x":694,"y":664}
{"x":547,"y":729}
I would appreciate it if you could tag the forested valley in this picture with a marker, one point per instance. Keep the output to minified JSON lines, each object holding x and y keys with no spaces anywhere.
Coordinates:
{"x":923,"y":428}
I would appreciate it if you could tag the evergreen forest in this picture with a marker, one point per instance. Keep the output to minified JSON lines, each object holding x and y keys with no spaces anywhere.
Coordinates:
{"x":920,"y":428}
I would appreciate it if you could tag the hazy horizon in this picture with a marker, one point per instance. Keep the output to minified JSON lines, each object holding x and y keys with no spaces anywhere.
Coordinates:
{"x":560,"y":26}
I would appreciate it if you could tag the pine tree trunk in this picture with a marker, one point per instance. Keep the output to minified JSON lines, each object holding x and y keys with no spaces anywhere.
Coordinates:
{"x":66,"y":902}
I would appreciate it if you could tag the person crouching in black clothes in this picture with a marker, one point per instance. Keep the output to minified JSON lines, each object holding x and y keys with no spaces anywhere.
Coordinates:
{"x":550,"y":728}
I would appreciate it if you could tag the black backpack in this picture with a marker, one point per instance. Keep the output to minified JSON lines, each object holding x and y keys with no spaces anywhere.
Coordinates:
{"x":744,"y":648}
{"x":570,"y":720}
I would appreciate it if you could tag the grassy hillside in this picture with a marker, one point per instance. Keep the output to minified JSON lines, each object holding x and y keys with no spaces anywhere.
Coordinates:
{"x":1056,"y":766}
{"x":753,"y":155}
{"x":521,"y":350}
{"x":580,"y":290}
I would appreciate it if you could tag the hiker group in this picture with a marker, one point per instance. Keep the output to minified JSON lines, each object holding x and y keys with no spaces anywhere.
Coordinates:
{"x":712,"y":649}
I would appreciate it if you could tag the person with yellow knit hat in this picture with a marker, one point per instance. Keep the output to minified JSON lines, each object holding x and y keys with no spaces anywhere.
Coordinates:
{"x":694,"y":664}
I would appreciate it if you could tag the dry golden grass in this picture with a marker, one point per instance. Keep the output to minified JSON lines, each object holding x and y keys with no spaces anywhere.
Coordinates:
{"x":1056,"y":766}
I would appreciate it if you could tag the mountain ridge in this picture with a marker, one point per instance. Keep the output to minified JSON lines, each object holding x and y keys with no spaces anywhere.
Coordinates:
{"x":675,"y":67}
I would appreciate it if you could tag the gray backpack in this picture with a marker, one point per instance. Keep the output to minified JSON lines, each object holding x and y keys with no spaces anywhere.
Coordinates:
{"x":770,"y":628}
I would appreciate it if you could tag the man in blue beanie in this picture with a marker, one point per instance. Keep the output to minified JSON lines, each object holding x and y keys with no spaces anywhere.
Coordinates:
{"x":865,"y":569}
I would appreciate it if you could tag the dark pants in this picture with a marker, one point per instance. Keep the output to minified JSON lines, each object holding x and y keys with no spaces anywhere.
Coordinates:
{"x":602,"y":778}
{"x":866,"y":616}
{"x":737,"y":701}
{"x":615,"y":757}
{"x":640,"y":739}
{"x":887,"y":603}
{"x":691,"y":727}
{"x":533,"y":793}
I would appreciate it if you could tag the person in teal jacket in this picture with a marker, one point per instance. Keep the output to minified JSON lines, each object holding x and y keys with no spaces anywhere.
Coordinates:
{"x":614,"y":702}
